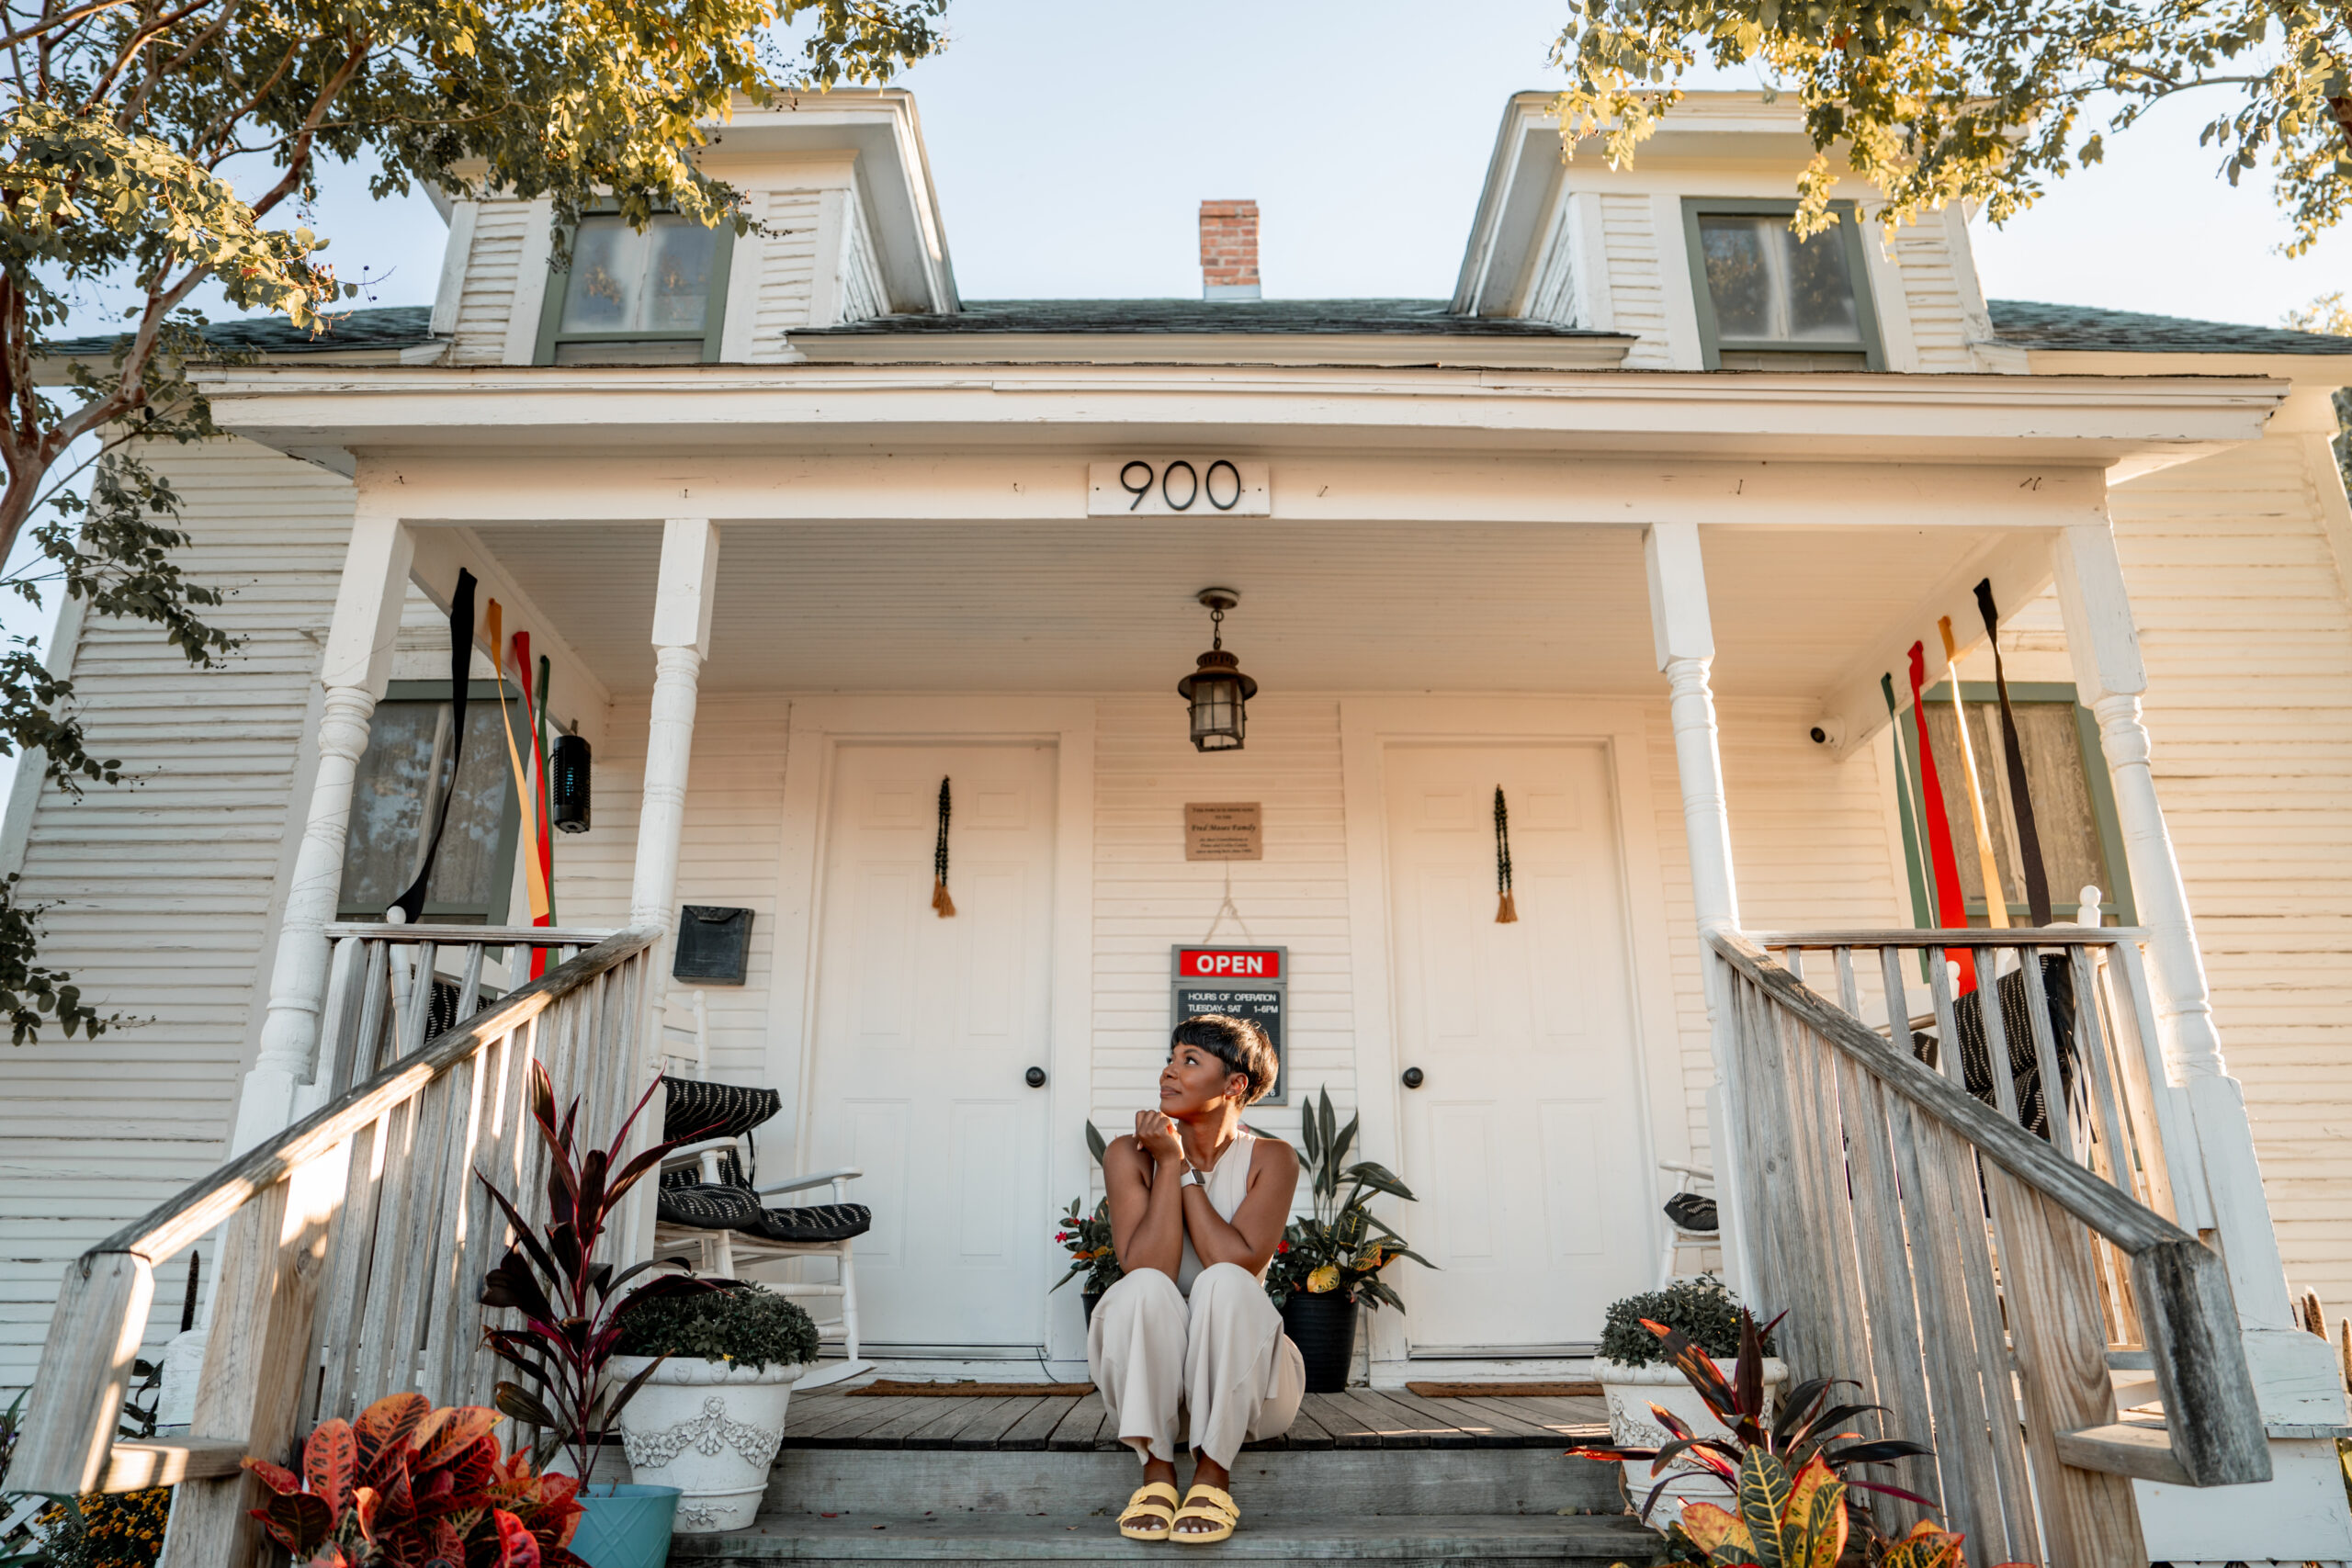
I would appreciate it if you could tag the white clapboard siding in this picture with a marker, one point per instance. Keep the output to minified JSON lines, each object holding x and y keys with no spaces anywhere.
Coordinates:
{"x":1933,"y":293}
{"x":1809,"y":849}
{"x":486,"y":302}
{"x":1637,"y":256}
{"x":860,"y":288}
{"x":787,"y":275}
{"x":1554,"y":295}
{"x":1147,"y":895}
{"x":160,"y":893}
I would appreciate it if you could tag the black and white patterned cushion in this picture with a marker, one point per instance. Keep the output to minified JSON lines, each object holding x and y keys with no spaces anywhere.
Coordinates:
{"x":707,"y":1207}
{"x":699,"y":1111}
{"x":817,"y":1222}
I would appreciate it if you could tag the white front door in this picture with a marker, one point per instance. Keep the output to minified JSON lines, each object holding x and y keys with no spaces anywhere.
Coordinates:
{"x":1525,"y":1143}
{"x":925,"y":1029}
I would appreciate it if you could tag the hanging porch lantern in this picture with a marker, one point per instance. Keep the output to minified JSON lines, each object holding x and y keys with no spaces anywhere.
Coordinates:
{"x":568,"y":784}
{"x":1218,"y":691}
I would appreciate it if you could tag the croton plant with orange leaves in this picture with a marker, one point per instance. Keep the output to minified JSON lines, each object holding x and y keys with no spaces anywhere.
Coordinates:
{"x":407,"y":1485}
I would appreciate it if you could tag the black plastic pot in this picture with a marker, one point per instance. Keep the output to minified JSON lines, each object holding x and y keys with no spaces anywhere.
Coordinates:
{"x":1324,"y":1329}
{"x":1089,"y":1298}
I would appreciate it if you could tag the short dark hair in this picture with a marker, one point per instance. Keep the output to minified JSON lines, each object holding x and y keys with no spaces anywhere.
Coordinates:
{"x":1241,"y":1045}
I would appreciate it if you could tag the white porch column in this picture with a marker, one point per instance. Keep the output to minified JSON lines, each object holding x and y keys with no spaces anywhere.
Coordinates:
{"x":1684,"y":635}
{"x":356,"y":668}
{"x":2294,"y":1371}
{"x":680,"y":642}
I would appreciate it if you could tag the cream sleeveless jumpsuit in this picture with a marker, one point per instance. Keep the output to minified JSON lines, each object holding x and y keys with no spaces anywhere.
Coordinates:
{"x":1207,"y":1343}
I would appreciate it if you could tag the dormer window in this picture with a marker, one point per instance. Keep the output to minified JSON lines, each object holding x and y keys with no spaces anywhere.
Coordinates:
{"x":1771,"y":300}
{"x":654,"y":295}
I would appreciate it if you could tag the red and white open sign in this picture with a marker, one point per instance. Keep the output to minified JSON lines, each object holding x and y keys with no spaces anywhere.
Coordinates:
{"x":1229,"y":963}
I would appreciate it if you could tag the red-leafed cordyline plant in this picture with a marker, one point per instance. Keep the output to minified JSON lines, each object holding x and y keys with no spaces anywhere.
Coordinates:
{"x":1792,"y":1436}
{"x":408,"y":1484}
{"x":571,"y":1303}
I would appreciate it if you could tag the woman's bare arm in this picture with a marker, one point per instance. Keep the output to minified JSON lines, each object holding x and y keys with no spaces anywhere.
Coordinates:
{"x":1257,"y":1226}
{"x":1147,"y":1204}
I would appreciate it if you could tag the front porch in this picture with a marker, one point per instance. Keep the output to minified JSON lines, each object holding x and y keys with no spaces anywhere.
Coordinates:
{"x":1673,"y":661}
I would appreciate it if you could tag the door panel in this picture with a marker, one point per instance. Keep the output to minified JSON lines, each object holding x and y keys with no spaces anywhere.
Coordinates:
{"x":924,"y":1027}
{"x":1526,"y":1140}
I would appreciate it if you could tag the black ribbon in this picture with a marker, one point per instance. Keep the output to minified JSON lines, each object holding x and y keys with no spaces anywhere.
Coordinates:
{"x":2037,"y":878}
{"x":461,"y":661}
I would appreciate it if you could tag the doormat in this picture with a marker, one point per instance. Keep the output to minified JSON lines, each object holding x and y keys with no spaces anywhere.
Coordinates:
{"x":1505,"y":1390}
{"x":892,"y":1387}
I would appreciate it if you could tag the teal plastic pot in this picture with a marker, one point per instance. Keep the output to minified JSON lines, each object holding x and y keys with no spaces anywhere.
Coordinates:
{"x":625,"y":1527}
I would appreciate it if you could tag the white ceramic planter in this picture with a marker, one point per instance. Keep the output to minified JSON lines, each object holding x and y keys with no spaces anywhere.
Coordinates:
{"x":709,"y":1429}
{"x":1631,"y":1391}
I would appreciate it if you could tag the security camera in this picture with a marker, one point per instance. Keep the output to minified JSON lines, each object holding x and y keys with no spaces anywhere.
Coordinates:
{"x":1828,"y":732}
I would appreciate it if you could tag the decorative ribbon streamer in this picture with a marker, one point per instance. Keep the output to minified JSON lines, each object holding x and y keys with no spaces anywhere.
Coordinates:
{"x":522,"y":780}
{"x":1988,"y":864}
{"x":1921,"y":915}
{"x":538,"y":806}
{"x":2037,"y":877}
{"x":1506,"y":907}
{"x":410,"y":904}
{"x":939,"y":898}
{"x":1952,"y":908}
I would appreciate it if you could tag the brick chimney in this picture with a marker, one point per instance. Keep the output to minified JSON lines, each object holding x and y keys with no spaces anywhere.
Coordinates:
{"x":1229,"y":250}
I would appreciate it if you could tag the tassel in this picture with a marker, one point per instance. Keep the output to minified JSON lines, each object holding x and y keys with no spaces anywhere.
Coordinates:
{"x":940,"y":901}
{"x":1506,"y":907}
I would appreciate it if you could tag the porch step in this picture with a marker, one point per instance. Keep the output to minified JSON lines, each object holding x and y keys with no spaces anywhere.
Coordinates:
{"x":1078,"y":1539}
{"x":1330,"y":1483}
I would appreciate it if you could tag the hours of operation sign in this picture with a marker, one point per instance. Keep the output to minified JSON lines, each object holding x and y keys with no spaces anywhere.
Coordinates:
{"x":1240,"y":982}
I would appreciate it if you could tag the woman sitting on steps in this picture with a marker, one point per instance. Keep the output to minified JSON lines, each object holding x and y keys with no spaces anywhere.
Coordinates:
{"x":1197,"y":1205}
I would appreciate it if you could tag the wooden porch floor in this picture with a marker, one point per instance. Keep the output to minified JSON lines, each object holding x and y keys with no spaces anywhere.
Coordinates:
{"x":1360,"y":1418}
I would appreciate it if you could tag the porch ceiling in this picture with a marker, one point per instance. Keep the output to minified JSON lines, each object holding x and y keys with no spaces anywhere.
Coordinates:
{"x":1064,"y":607}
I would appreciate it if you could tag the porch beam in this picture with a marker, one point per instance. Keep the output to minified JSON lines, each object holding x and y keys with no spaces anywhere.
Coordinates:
{"x":355,"y":670}
{"x":1684,"y":633}
{"x":2296,"y":1378}
{"x":1853,"y":709}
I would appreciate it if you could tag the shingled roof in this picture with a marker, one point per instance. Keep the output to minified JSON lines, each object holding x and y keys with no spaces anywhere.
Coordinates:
{"x":2089,"y":329}
{"x":384,"y":327}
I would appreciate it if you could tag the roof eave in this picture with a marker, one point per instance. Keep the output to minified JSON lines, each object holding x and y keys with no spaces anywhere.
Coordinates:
{"x":1370,"y":350}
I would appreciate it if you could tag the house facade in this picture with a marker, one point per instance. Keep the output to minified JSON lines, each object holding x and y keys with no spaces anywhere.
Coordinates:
{"x":1613,"y":564}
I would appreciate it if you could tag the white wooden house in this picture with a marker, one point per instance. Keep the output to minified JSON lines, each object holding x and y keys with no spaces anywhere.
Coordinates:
{"x":1632,"y":539}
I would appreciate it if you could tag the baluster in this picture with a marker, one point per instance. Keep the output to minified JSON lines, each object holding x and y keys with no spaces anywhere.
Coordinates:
{"x":1948,"y":1052}
{"x":512,"y":1134}
{"x":1997,"y":1031}
{"x":2056,"y":1106}
{"x":1896,"y":1357}
{"x":424,"y":1234}
{"x":2091,"y":1045}
{"x":375,"y":1000}
{"x":470,"y":983}
{"x":448,"y":1340}
{"x":350,"y":1265}
{"x":336,"y":1045}
{"x":377,"y":1360}
{"x":2174,"y":1187}
{"x":415,"y":1024}
{"x":1833,"y":1339}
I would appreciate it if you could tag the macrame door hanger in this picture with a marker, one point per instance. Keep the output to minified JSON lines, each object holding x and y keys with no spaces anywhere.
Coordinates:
{"x":1506,"y":907}
{"x":1226,"y":909}
{"x":940,"y":901}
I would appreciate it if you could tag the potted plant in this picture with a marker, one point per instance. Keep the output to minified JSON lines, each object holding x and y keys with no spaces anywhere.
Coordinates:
{"x":719,"y":1369}
{"x":1328,"y":1262}
{"x":571,"y":1302}
{"x":1757,"y":1456}
{"x":409,"y":1483}
{"x":1639,"y":1378}
{"x":1087,"y":1238}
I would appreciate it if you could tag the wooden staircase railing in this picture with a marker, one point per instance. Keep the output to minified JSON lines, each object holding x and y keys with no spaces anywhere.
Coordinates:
{"x":1865,"y":1181}
{"x":354,"y":1241}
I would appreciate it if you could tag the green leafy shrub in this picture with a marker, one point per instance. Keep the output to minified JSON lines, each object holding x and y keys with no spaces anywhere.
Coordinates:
{"x":1701,"y":1309}
{"x":749,"y":1326}
{"x":119,"y":1530}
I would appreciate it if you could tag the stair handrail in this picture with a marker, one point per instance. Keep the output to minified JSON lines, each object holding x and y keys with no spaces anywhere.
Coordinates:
{"x":2213,"y":1432}
{"x":101,"y":1315}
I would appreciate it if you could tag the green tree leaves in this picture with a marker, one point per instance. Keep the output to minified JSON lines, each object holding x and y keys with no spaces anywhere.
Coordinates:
{"x":1984,"y":100}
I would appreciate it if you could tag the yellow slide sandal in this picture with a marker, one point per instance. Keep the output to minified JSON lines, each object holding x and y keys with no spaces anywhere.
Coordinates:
{"x":1146,"y":1518}
{"x":1208,"y":1503}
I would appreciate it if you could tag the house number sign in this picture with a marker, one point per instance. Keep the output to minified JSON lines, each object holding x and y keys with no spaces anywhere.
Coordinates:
{"x":1240,"y":982}
{"x":1203,"y":486}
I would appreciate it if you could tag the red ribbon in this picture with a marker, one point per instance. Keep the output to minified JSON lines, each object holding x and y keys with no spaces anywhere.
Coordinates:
{"x":1951,"y":905}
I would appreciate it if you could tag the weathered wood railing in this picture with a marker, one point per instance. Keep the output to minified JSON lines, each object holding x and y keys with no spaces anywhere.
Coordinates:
{"x":1865,"y":1179}
{"x":354,"y":1240}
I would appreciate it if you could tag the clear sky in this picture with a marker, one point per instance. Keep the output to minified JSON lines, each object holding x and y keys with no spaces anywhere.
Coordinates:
{"x":1073,"y":143}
